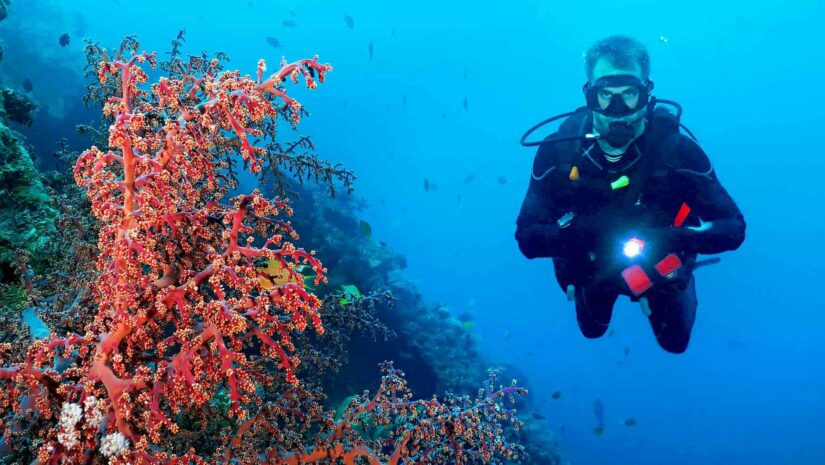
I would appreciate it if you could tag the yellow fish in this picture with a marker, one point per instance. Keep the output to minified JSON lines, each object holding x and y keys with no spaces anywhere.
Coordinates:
{"x":351,"y":293}
{"x":279,"y":275}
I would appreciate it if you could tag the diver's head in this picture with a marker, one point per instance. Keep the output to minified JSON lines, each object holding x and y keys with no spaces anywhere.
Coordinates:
{"x":618,"y":89}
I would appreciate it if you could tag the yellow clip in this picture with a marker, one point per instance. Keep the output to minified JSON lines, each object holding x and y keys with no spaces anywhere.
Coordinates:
{"x":574,"y":174}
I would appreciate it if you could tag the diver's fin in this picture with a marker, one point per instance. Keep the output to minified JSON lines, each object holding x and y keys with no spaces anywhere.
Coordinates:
{"x":706,"y":262}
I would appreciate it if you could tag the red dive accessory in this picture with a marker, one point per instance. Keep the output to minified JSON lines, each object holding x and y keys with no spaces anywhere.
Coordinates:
{"x":684,"y":211}
{"x":636,"y":279}
{"x":635,"y":276}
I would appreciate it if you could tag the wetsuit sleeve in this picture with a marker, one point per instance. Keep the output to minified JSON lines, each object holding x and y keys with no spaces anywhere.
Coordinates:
{"x":537,"y":231}
{"x":710,"y":201}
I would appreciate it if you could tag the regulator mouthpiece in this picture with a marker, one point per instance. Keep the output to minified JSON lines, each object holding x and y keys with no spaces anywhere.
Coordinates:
{"x":619,"y":134}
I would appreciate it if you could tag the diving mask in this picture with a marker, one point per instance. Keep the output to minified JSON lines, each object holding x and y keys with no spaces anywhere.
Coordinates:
{"x":631,"y":99}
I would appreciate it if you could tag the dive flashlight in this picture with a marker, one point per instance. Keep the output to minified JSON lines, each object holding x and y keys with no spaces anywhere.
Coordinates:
{"x":633,"y":247}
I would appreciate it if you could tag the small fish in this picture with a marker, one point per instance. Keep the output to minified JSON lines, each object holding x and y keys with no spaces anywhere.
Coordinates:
{"x":292,"y":13}
{"x":404,"y":100}
{"x":556,"y":395}
{"x":629,"y":422}
{"x":444,"y":115}
{"x":371,"y":49}
{"x":626,"y":351}
{"x":289,"y":23}
{"x":465,"y":316}
{"x":611,"y":333}
{"x":507,"y":334}
{"x":502,"y":180}
{"x":458,"y":198}
{"x":365,"y":228}
{"x":428,"y":186}
{"x":469,"y":178}
{"x":538,"y":416}
{"x":598,"y":411}
{"x":735,"y":344}
{"x":392,"y":32}
{"x":598,"y":431}
{"x":349,"y":21}
{"x":277,"y":274}
{"x":350,"y":294}
{"x":531,"y":353}
{"x":64,"y":39}
{"x":273,"y":42}
{"x":27,"y":85}
{"x":466,"y":104}
{"x":663,"y":39}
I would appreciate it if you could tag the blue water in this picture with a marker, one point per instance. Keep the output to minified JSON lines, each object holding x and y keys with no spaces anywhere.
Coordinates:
{"x":750,"y":76}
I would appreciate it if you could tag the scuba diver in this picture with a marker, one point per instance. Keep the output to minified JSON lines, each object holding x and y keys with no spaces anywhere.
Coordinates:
{"x":623,"y":201}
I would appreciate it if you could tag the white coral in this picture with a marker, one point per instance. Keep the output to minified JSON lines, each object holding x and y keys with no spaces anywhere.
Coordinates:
{"x":70,"y":415}
{"x":114,"y":444}
{"x":94,"y":414}
{"x":68,"y":437}
{"x":90,"y":402}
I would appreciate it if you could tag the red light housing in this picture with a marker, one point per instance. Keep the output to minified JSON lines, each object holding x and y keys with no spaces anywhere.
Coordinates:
{"x":668,"y":265}
{"x":636,"y":279}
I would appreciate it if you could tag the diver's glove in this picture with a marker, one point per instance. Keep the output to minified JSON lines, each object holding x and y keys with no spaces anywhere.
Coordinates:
{"x":582,"y":234}
{"x":593,"y":232}
{"x":684,"y":239}
{"x":663,"y":241}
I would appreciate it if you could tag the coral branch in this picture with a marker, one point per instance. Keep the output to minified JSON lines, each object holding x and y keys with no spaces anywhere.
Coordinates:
{"x":190,"y":357}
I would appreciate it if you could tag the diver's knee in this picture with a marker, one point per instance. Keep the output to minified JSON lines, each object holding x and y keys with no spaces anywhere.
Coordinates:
{"x":674,"y":345}
{"x":592,"y":329}
{"x":590,"y":326}
{"x":593,"y":311}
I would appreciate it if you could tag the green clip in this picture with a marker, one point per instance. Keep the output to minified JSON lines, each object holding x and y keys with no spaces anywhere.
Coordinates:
{"x":619,"y":183}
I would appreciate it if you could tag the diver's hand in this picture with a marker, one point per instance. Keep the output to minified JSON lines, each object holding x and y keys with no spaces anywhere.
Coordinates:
{"x":584,"y":233}
{"x":662,"y":241}
{"x":595,"y":231}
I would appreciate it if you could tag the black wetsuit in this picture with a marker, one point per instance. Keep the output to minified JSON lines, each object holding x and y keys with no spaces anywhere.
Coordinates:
{"x":583,"y":248}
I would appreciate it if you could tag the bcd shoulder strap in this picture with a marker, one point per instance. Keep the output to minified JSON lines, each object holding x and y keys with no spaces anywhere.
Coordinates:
{"x":663,"y":140}
{"x":659,"y":152}
{"x":569,"y":151}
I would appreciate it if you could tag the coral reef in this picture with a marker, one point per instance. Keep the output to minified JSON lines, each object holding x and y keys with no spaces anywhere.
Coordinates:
{"x":26,"y":212}
{"x":440,"y":353}
{"x":16,"y":107}
{"x":192,"y":354}
{"x":436,"y":351}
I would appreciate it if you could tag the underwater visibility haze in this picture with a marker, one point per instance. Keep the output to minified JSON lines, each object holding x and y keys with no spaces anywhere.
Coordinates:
{"x":159,"y":296}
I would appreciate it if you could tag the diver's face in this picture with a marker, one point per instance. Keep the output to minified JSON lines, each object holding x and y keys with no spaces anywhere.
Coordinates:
{"x":629,"y":93}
